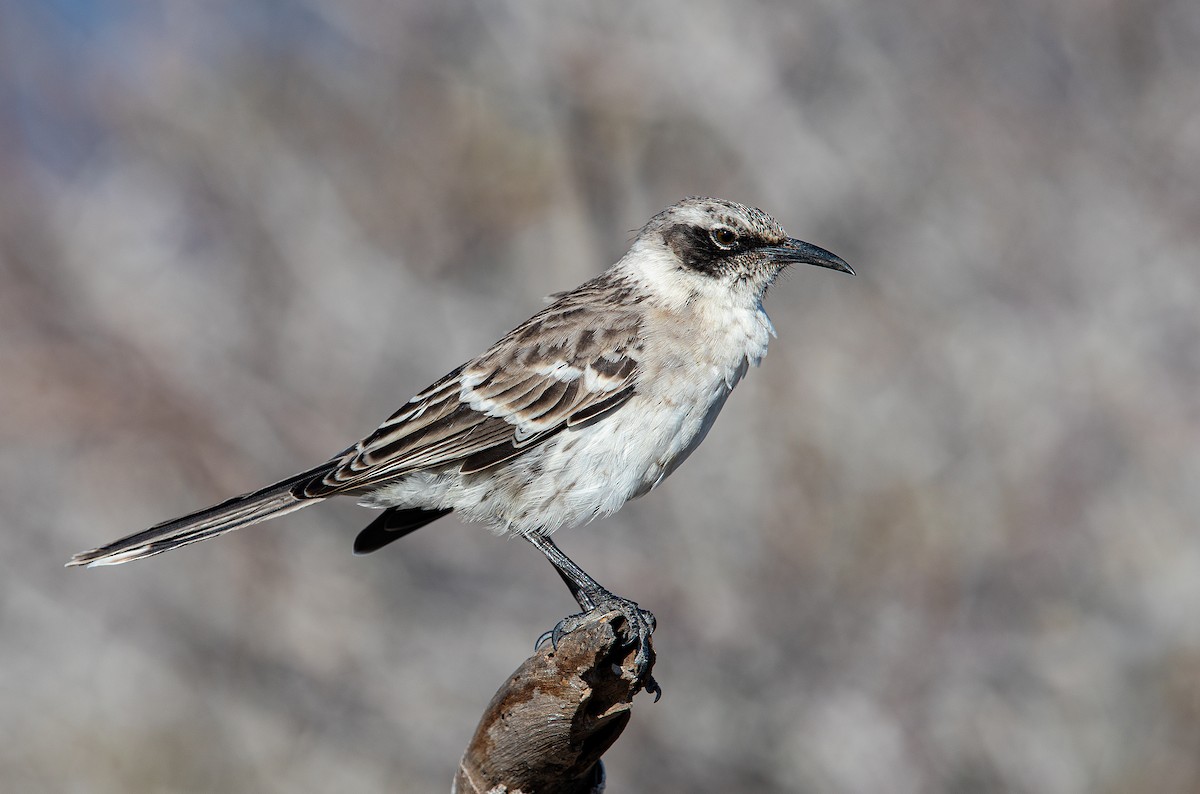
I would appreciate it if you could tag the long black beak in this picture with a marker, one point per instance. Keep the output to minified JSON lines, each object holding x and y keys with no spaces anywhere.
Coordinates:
{"x":798,"y":252}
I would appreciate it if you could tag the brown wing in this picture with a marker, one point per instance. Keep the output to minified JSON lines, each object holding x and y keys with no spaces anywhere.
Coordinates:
{"x":571,"y":363}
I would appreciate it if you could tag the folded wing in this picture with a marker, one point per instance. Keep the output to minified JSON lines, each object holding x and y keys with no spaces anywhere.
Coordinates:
{"x":573,"y":363}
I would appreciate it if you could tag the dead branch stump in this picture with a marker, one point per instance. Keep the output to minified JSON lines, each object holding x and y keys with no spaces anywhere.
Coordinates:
{"x":546,"y":728}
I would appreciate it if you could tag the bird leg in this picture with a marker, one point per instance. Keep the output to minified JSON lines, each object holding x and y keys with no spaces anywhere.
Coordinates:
{"x":592,"y":596}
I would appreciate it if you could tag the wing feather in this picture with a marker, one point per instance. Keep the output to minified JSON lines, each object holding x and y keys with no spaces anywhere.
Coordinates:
{"x":573,"y":362}
{"x":555,"y":393}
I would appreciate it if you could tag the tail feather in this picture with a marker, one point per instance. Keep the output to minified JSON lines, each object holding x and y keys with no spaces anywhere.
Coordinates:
{"x":241,"y":511}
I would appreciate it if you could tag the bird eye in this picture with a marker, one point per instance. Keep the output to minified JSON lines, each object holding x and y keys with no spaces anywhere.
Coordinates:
{"x":723,"y":236}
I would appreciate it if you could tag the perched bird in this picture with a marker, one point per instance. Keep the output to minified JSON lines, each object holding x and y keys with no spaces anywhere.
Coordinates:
{"x":591,"y":402}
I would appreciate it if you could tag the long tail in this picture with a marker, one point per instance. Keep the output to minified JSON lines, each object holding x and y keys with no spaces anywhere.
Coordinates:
{"x":241,"y":511}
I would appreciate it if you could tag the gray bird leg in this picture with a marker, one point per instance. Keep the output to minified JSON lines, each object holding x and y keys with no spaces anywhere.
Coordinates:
{"x":592,"y":596}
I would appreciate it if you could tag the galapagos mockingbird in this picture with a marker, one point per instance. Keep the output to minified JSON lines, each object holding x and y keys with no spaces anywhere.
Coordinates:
{"x":591,"y":402}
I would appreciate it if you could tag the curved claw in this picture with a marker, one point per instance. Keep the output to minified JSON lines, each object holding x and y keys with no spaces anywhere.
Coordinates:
{"x":561,"y":629}
{"x":651,"y":686}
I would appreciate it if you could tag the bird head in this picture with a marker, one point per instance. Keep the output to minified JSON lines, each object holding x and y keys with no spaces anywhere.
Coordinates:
{"x":710,"y":243}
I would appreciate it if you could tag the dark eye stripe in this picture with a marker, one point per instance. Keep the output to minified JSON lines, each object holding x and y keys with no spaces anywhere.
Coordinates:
{"x":697,"y":249}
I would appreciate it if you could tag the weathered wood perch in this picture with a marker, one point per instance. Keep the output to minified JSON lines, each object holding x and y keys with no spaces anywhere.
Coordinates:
{"x":546,"y":728}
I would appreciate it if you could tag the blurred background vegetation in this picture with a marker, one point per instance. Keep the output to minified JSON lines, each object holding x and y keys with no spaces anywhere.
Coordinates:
{"x":944,"y":540}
